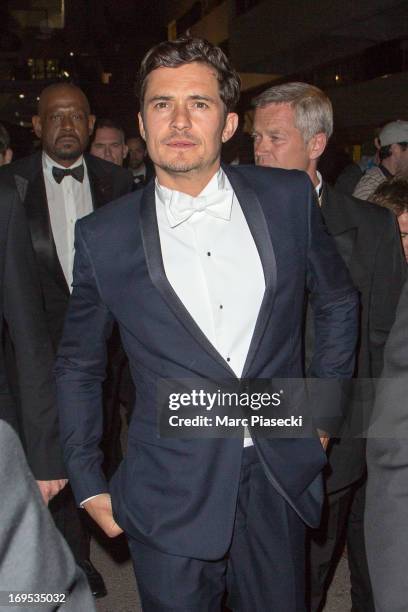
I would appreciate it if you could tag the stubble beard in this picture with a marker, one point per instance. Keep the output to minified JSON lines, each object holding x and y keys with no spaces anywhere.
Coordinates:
{"x":68,"y":153}
{"x":183,"y":166}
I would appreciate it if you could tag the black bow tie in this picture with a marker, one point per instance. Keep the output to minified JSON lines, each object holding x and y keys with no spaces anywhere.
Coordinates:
{"x":77,"y":173}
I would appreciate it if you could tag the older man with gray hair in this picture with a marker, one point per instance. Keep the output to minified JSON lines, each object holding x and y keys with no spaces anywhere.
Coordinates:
{"x":292,"y":125}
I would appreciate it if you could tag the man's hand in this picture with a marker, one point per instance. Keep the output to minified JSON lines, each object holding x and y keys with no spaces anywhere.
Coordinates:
{"x":100,"y":509}
{"x":50,"y":488}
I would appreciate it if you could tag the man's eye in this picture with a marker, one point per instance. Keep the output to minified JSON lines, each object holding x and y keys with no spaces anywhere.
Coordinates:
{"x":200,"y":104}
{"x":160,"y":105}
{"x":56,"y":117}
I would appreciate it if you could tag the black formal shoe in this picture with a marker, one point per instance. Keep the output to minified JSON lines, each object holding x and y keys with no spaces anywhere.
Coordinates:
{"x":95,"y":580}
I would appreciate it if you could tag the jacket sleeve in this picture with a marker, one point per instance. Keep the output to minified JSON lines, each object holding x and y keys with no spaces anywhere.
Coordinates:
{"x":24,"y":314}
{"x":389,"y":271}
{"x":335,"y":304}
{"x":387,"y":462}
{"x":80,"y":372}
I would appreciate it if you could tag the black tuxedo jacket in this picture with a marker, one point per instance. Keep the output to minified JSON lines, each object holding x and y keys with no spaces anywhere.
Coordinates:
{"x":23,"y":181}
{"x":107,"y":181}
{"x":180,"y":494}
{"x":368,"y":240}
{"x":34,"y":417}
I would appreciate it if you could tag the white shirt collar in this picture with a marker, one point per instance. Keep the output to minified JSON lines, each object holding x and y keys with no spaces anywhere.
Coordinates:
{"x":218,"y":190}
{"x":319,"y":186}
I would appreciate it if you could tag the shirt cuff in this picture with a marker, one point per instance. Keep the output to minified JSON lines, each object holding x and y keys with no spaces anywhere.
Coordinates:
{"x":81,"y":505}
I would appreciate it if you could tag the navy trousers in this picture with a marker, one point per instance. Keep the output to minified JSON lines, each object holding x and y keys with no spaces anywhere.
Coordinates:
{"x":263,"y":571}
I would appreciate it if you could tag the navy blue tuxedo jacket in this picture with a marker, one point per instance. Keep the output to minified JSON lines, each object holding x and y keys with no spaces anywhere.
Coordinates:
{"x":179,"y":495}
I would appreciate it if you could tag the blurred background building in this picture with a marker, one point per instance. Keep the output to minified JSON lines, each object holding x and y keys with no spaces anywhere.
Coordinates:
{"x":97,"y":44}
{"x":356,"y":50}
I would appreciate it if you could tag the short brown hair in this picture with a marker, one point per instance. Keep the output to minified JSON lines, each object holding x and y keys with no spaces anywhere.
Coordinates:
{"x":174,"y":53}
{"x":392,"y":194}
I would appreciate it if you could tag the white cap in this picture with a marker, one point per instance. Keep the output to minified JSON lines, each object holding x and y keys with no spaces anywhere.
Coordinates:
{"x":394,"y":132}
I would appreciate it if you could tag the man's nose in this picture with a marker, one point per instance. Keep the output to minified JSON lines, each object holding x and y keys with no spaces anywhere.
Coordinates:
{"x":67,"y":123}
{"x":261,"y":146}
{"x":261,"y":150}
{"x":108,"y":154}
{"x":181,"y":119}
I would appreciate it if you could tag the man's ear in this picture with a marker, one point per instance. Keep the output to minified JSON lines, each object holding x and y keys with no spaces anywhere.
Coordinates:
{"x":91,"y":123}
{"x":36,"y":121}
{"x":125,"y":151}
{"x":141,"y":126}
{"x":230,"y":127}
{"x":317,"y":145}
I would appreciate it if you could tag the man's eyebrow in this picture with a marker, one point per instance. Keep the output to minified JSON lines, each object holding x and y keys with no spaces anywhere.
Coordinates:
{"x":164,"y":98}
{"x":63,"y":109}
{"x":201,"y":97}
{"x":161,"y":98}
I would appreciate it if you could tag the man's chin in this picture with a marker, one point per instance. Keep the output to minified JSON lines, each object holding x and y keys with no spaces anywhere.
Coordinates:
{"x":180,"y":167}
{"x":67,"y":154}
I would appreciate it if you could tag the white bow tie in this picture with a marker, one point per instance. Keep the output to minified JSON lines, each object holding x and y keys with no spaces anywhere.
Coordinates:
{"x":180,"y":206}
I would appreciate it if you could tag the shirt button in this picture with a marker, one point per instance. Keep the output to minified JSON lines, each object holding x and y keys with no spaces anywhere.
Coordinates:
{"x":221,"y":306}
{"x":228,"y":359}
{"x":208,"y":253}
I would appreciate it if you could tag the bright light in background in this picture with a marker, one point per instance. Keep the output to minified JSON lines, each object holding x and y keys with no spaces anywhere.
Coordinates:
{"x":21,"y":96}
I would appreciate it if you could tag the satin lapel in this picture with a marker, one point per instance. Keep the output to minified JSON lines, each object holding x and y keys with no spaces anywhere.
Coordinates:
{"x":35,"y":204}
{"x":154,"y":261}
{"x":258,"y":226}
{"x":100,"y":184}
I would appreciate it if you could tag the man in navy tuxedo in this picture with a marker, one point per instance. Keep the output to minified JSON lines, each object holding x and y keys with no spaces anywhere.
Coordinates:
{"x":205,"y":271}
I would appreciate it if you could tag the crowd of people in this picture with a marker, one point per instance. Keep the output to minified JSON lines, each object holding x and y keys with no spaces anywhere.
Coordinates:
{"x":136,"y":269}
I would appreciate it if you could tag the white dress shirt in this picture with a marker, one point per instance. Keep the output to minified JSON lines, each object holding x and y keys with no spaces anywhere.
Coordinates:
{"x":213,"y":265}
{"x":68,"y":201}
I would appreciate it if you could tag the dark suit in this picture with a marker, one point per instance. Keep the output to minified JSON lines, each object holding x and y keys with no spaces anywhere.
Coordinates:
{"x":387,"y":484}
{"x":34,"y":416}
{"x":107,"y":181}
{"x":34,"y":557}
{"x":24,"y":180}
{"x":368,"y":241}
{"x":142,"y":180}
{"x":180,"y":496}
